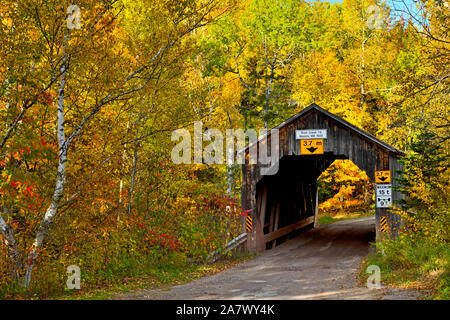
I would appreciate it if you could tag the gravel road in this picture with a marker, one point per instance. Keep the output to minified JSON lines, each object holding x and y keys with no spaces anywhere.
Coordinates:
{"x":320,"y":264}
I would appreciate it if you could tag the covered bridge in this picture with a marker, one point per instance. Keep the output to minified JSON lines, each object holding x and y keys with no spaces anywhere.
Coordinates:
{"x":285,"y":203}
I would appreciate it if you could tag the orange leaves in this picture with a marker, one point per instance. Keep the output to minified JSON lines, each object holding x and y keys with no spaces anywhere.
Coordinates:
{"x":17,"y":155}
{"x":14,"y":224}
{"x":346,"y":185}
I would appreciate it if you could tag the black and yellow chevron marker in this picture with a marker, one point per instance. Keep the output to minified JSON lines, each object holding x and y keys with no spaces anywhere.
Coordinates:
{"x":249,"y":224}
{"x":383,"y":224}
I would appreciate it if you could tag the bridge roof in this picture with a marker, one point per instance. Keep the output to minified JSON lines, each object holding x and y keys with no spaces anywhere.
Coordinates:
{"x":340,"y":121}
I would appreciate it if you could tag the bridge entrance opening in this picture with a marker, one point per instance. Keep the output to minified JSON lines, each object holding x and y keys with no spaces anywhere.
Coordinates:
{"x":344,"y":191}
{"x":295,"y":192}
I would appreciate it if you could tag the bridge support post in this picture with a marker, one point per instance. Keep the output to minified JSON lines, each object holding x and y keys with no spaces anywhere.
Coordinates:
{"x":316,"y":208}
{"x":255,"y":239}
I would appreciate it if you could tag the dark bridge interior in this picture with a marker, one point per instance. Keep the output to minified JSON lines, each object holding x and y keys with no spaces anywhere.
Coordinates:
{"x":292,"y":191}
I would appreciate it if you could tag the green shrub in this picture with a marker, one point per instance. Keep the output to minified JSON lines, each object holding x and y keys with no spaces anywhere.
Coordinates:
{"x":414,"y":259}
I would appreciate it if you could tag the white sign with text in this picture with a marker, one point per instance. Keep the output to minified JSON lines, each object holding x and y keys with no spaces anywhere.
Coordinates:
{"x":311,"y":134}
{"x":383,"y":190}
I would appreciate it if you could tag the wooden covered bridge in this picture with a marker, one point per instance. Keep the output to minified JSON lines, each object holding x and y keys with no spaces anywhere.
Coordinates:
{"x":286,"y":203}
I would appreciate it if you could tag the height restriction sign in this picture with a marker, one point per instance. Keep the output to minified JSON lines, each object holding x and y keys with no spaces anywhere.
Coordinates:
{"x":382,"y":176}
{"x":311,"y":146}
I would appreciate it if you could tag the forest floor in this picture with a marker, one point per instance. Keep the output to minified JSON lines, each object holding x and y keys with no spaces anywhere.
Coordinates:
{"x":322,"y":263}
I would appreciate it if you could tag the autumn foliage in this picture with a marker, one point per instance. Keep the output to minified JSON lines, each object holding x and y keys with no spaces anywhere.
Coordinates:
{"x":86,"y":115}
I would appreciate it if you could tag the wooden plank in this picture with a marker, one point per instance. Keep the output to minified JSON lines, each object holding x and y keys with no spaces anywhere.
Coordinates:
{"x":316,"y":209}
{"x":288,"y":229}
{"x":258,"y":201}
{"x":291,"y":140}
{"x":312,"y":198}
{"x":277,"y":219}
{"x":303,"y":198}
{"x":262,"y":213}
{"x":308,"y":199}
{"x":272,"y":218}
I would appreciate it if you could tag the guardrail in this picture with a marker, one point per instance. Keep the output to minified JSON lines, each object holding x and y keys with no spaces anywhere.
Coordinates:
{"x":213,"y":256}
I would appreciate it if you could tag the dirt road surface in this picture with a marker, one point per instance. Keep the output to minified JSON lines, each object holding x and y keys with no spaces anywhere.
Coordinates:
{"x":320,"y":264}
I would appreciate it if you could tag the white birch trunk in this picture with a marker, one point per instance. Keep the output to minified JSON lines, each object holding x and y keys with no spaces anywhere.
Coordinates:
{"x":60,"y":176}
{"x":124,"y":153}
{"x":13,"y":251}
{"x":124,"y":157}
{"x":133,"y":176}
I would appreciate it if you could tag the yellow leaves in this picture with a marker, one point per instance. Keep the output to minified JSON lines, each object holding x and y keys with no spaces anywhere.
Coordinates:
{"x":321,"y":78}
{"x":348,"y":184}
{"x":7,"y":21}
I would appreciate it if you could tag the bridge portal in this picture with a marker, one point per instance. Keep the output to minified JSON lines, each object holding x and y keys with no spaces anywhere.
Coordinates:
{"x":286,"y":203}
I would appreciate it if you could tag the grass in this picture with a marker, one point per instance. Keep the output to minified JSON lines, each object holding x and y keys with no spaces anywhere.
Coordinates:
{"x":127,"y":275}
{"x":418,"y":263}
{"x":156,"y":278}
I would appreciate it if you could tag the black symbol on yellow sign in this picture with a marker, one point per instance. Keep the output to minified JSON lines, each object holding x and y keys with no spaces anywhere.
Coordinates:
{"x":382,"y":176}
{"x":249,"y":224}
{"x":383,"y":224}
{"x":311,"y":146}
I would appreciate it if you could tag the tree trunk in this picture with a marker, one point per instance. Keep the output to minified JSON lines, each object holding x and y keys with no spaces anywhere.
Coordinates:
{"x":124,"y":157}
{"x":133,"y":176}
{"x":10,"y":242}
{"x":60,"y":176}
{"x":363,"y":70}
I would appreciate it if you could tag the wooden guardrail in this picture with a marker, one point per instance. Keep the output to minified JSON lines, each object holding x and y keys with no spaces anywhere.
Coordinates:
{"x":288,"y":229}
{"x":239,"y":240}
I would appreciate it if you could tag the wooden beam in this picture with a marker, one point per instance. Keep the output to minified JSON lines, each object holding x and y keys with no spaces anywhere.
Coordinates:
{"x":258,"y":200}
{"x":277,"y":219}
{"x":288,"y":229}
{"x":316,"y":208}
{"x":277,"y":216}
{"x":312,"y":197}
{"x":272,"y":217}
{"x":303,"y":198}
{"x":262,"y":213}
